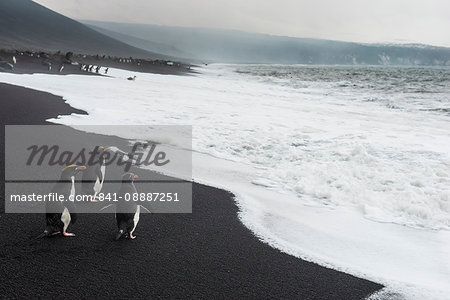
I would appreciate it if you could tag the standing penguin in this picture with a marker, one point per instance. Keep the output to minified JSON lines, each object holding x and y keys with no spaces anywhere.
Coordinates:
{"x":127,"y":212}
{"x":94,"y":176}
{"x":60,"y":214}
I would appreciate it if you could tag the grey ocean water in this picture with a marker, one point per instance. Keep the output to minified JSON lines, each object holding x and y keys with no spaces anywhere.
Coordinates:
{"x":410,"y":88}
{"x":373,"y":137}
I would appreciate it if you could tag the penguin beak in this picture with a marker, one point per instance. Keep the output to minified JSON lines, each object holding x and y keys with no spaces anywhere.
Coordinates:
{"x":136,"y":177}
{"x":80,"y":168}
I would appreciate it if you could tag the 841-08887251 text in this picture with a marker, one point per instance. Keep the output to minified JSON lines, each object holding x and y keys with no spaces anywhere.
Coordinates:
{"x":139,"y":197}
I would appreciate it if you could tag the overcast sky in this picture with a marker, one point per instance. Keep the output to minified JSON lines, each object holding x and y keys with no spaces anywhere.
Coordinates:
{"x":399,"y":21}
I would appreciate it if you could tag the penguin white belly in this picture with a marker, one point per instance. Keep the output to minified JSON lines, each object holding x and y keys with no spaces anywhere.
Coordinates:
{"x":65,"y":218}
{"x":99,"y":181}
{"x":97,"y":186}
{"x":136,"y":218}
{"x":72,"y":189}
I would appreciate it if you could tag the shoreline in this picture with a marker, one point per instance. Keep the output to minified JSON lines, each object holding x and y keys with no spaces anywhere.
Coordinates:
{"x":30,"y":62}
{"x":208,"y":253}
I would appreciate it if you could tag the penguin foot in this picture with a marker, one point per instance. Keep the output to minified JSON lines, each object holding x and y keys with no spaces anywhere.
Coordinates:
{"x":68,"y":234}
{"x":55,"y":233}
{"x":132,"y":236}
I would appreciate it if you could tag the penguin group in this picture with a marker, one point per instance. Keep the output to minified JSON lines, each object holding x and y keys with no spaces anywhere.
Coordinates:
{"x":91,"y":68}
{"x":60,"y":214}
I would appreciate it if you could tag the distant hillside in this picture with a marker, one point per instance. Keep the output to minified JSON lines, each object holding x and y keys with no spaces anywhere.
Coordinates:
{"x":142,"y":43}
{"x":25,"y":24}
{"x":212,"y":45}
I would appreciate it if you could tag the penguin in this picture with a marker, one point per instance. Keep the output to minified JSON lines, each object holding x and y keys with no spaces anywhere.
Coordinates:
{"x":48,"y":64}
{"x":14,"y":60}
{"x":60,"y":214}
{"x":127,"y":212}
{"x":132,"y":78}
{"x":94,"y":176}
{"x":61,"y":68}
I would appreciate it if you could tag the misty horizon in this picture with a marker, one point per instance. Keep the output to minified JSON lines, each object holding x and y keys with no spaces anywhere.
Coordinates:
{"x":399,"y":42}
{"x":382,"y":22}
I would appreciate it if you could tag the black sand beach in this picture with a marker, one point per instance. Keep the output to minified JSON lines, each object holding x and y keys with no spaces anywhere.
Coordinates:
{"x":206,"y":254}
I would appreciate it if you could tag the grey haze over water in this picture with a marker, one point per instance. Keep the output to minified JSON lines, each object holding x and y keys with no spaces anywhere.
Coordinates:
{"x":230,"y":46}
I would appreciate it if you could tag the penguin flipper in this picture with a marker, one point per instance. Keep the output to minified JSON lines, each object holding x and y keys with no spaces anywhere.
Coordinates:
{"x":145,"y":208}
{"x":105,"y":207}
